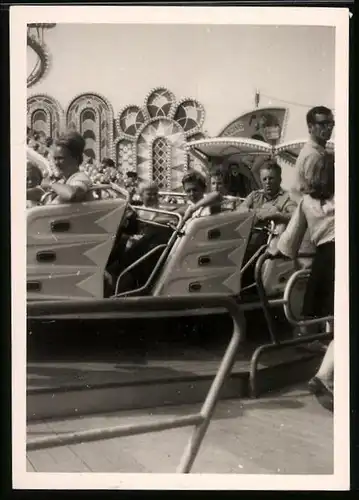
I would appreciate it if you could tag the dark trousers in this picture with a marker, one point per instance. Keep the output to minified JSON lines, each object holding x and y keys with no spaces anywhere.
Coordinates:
{"x":319,"y":295}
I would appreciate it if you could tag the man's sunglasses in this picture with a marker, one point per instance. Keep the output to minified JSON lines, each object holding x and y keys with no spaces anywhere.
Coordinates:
{"x":326,"y":123}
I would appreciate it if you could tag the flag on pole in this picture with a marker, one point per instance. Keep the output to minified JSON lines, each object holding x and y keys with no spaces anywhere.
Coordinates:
{"x":257,"y":98}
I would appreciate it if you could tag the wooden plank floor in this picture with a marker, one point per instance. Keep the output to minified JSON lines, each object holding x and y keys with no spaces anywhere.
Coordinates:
{"x":283,"y":433}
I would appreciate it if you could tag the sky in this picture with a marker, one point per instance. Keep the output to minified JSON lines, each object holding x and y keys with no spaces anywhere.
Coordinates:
{"x":220,"y":65}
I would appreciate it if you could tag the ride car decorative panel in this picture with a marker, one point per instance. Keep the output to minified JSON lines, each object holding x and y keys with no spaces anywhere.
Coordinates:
{"x":68,"y":247}
{"x":208,"y":257}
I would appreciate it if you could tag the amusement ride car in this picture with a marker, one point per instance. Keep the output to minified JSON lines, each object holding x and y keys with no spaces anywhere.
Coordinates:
{"x":197,"y":271}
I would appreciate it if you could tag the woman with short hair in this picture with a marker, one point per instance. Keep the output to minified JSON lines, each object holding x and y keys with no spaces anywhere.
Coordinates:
{"x":316,"y":213}
{"x":68,"y":156}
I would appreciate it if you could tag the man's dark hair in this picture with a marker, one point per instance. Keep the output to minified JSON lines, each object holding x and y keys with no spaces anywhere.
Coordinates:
{"x":74,"y":143}
{"x":108,"y":162}
{"x":271,"y":165}
{"x":195,"y":177}
{"x":217,"y":172}
{"x":321,"y":181}
{"x":317,"y":110}
{"x":132,"y":175}
{"x":258,"y":137}
{"x":49,"y":142}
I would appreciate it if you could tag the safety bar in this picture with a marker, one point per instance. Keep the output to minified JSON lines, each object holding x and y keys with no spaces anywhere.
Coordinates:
{"x":253,"y":370}
{"x":120,"y":190}
{"x":93,"y":187}
{"x":154,"y":223}
{"x":200,"y":420}
{"x":163,"y":256}
{"x":266,"y":303}
{"x":253,"y":258}
{"x":174,"y":194}
{"x":161,"y":260}
{"x":159,"y":211}
{"x":137,"y":262}
{"x":271,"y":232}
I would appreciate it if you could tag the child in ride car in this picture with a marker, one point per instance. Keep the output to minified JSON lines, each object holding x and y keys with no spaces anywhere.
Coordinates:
{"x":34,"y":191}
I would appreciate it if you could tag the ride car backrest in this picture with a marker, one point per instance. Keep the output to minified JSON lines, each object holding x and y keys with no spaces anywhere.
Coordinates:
{"x":275,"y":273}
{"x":208,"y":257}
{"x":68,"y":247}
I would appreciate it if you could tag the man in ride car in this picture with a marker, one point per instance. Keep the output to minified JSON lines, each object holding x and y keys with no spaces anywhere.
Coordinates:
{"x":194,"y":185}
{"x":34,"y":178}
{"x":271,"y":202}
{"x":68,"y":156}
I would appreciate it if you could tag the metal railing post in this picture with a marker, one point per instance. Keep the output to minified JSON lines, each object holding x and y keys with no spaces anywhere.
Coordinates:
{"x":209,"y":405}
{"x":276,"y":344}
{"x":149,"y":304}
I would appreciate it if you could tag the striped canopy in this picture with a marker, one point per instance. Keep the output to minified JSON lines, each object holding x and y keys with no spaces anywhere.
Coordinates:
{"x":221,"y":147}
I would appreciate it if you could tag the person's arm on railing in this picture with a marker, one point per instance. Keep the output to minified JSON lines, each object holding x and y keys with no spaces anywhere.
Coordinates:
{"x":35,"y":194}
{"x":291,"y":239}
{"x":206,"y":201}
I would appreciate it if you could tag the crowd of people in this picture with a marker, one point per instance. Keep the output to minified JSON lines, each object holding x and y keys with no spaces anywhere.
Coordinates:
{"x":305,"y":214}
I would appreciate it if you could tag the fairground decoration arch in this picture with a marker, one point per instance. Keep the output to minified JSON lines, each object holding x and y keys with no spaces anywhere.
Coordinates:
{"x":255,"y":124}
{"x":92,"y":115}
{"x":151,"y":140}
{"x":45,"y":116}
{"x":36,"y":42}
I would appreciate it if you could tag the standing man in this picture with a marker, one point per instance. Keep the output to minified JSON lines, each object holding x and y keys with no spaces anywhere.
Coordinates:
{"x":320,"y":122}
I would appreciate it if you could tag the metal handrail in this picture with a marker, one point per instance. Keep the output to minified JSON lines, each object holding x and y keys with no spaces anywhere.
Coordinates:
{"x":172,"y":193}
{"x":302,"y":273}
{"x":136,"y":263}
{"x":92,"y":188}
{"x":154,"y":223}
{"x":159,"y":211}
{"x":200,"y":420}
{"x":275,"y":343}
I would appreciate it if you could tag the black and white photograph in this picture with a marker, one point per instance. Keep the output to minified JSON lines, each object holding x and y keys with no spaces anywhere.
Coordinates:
{"x":185,"y":263}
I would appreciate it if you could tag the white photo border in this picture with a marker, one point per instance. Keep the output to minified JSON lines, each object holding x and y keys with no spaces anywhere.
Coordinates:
{"x":20,"y":16}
